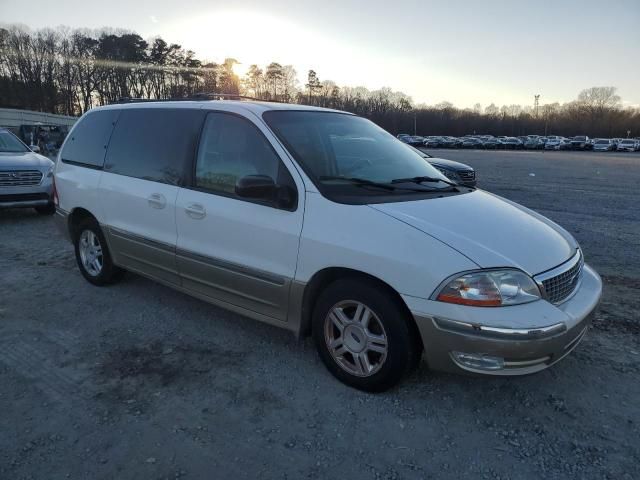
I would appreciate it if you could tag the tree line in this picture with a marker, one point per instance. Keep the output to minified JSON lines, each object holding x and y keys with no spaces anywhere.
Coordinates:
{"x":70,"y":71}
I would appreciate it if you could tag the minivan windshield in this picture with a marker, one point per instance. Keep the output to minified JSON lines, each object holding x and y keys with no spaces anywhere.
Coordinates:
{"x":9,"y":143}
{"x":346,"y":155}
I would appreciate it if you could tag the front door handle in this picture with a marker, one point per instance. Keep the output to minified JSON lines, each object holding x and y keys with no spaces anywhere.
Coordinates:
{"x":195,"y":210}
{"x":157,"y":200}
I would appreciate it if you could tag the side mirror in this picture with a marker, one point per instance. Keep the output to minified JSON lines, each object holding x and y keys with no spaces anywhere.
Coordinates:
{"x":262,"y":187}
{"x":256,"y":186}
{"x":34,"y":148}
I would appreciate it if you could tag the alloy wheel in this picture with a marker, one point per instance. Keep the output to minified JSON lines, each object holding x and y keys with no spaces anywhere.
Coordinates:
{"x":90,"y":253}
{"x":355,"y":338}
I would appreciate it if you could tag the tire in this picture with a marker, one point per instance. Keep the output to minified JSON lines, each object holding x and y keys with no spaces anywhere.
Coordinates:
{"x":95,"y":264}
{"x":385,"y":349}
{"x":49,"y":209}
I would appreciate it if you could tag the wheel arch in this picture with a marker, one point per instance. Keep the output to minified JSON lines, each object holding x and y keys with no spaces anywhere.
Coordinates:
{"x":323,"y":278}
{"x":76,"y":216}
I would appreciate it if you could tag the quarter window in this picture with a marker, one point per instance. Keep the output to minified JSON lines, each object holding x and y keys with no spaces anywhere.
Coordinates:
{"x":88,"y":142}
{"x":155,"y":144}
{"x":231,"y":148}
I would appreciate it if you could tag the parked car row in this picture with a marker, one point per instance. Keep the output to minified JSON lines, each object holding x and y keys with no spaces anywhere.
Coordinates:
{"x":530,"y":142}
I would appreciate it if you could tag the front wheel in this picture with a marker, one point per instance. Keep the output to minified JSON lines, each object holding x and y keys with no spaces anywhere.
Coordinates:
{"x":363,"y":336}
{"x":93,"y":256}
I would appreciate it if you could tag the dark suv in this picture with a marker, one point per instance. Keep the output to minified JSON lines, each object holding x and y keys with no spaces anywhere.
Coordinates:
{"x":458,"y":172}
{"x":581,"y":142}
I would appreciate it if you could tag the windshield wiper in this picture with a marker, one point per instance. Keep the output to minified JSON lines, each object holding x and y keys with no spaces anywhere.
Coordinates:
{"x":359,"y":181}
{"x":363,"y":182}
{"x":423,"y":179}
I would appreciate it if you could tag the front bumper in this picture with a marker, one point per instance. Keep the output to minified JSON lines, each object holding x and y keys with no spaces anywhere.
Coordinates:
{"x":26,"y":197}
{"x":527,"y":338}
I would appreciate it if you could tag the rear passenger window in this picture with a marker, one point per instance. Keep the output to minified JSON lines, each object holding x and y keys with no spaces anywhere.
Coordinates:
{"x":88,"y":142}
{"x":230,"y":148}
{"x":154,"y":144}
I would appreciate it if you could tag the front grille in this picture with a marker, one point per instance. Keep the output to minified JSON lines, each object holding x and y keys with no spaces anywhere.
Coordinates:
{"x":563,"y":281}
{"x":20,"y":178}
{"x":467,"y":175}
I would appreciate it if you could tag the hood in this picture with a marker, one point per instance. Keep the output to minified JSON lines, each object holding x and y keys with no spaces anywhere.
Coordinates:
{"x":23,"y":160}
{"x":489,"y":230}
{"x":443,"y":162}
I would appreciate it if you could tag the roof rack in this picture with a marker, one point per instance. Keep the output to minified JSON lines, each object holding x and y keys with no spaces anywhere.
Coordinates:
{"x":195,"y":96}
{"x":140,"y":100}
{"x":224,"y":96}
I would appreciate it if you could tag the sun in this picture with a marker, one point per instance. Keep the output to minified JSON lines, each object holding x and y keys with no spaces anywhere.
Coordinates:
{"x":250,"y":36}
{"x":240,"y":69}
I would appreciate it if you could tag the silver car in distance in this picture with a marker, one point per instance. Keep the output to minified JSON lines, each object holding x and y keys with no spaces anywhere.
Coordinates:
{"x":25,"y":177}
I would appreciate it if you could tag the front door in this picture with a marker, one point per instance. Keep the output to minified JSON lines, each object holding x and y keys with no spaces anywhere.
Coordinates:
{"x":237,"y":252}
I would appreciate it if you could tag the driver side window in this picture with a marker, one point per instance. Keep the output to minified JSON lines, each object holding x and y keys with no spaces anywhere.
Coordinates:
{"x":231,"y":148}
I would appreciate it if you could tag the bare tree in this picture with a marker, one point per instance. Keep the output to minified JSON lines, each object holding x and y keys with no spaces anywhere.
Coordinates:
{"x":313,"y":84}
{"x":229,"y":81}
{"x":597,"y":100}
{"x":254,"y":82}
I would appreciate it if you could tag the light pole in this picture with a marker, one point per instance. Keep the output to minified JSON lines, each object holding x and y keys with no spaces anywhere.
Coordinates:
{"x":415,"y":123}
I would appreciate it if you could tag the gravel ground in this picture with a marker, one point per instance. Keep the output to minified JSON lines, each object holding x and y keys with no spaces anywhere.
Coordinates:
{"x":139,"y":381}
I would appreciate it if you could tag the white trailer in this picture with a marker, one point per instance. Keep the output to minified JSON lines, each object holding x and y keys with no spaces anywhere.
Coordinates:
{"x":13,"y":118}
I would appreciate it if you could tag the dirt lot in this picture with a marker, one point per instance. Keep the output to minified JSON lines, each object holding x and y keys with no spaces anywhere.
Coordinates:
{"x":139,"y":381}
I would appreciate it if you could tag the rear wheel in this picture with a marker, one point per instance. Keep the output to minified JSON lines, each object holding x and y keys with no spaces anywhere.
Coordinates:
{"x":92,"y":255}
{"x":363,"y":336}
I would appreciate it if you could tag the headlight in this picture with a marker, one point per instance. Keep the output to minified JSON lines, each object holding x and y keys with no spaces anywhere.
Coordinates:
{"x":491,"y":288}
{"x":50,"y":171}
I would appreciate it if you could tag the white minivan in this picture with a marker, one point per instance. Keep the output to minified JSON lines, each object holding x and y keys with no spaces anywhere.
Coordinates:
{"x":320,"y":222}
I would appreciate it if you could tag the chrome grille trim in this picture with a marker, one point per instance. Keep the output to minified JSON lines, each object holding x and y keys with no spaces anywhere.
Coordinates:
{"x":20,"y":178}
{"x":467,"y":175}
{"x":560,"y":283}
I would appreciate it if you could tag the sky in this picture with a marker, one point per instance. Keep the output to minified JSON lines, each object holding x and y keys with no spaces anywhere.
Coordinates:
{"x":461,"y":51}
